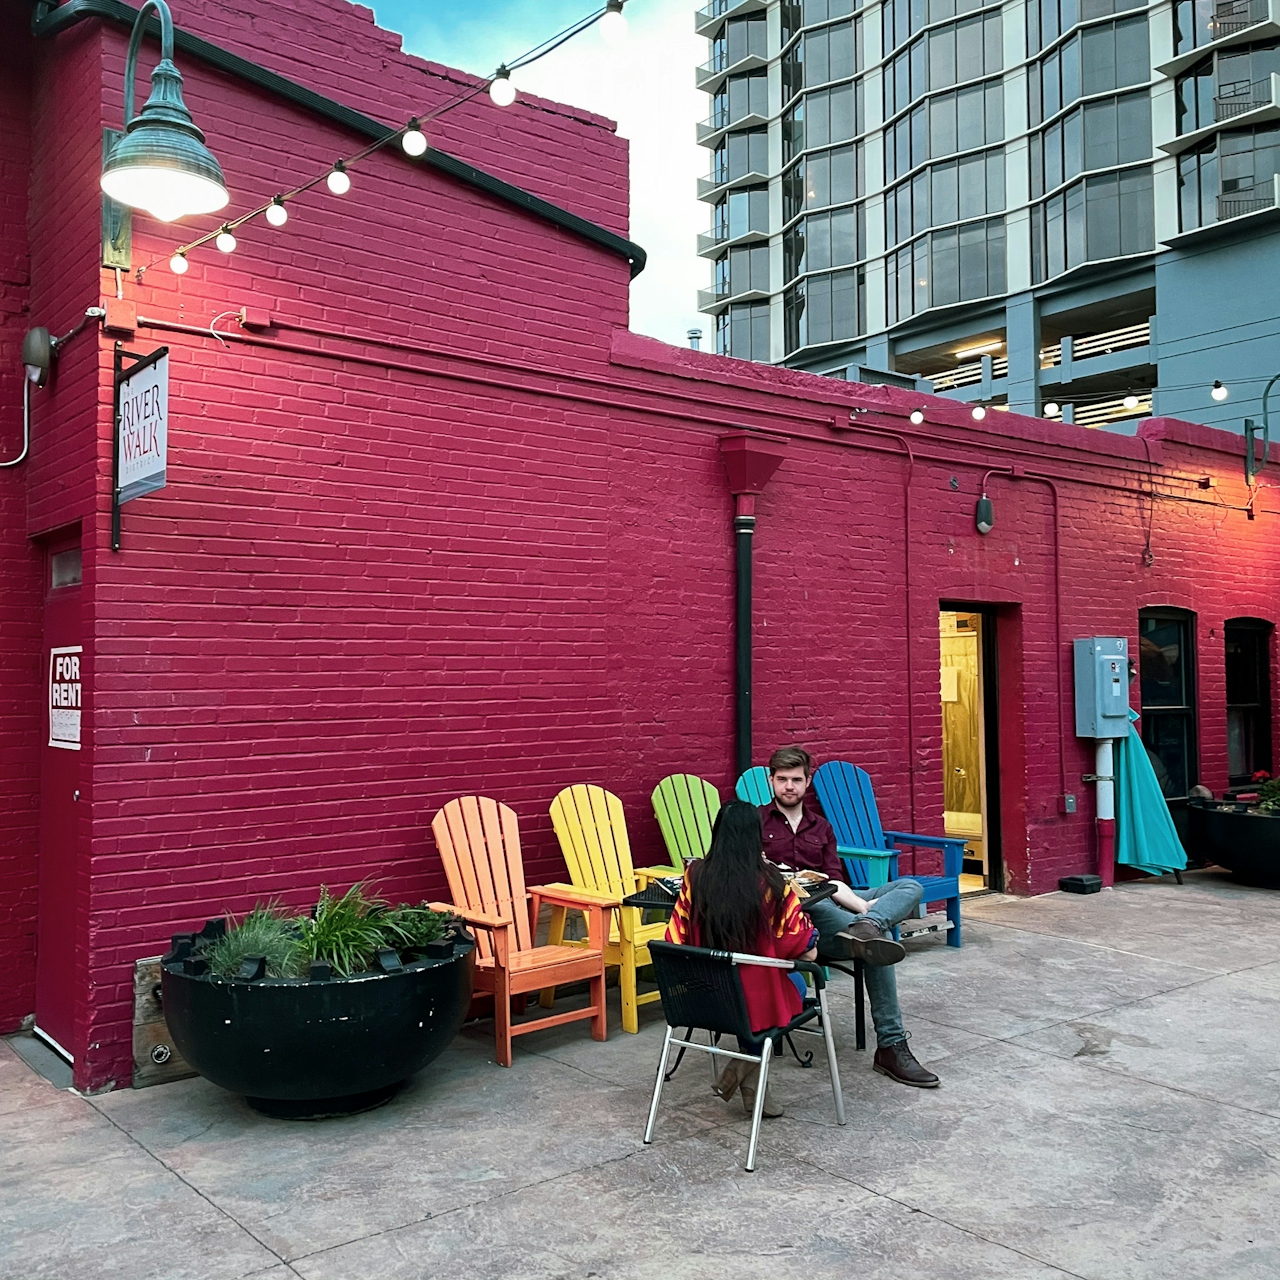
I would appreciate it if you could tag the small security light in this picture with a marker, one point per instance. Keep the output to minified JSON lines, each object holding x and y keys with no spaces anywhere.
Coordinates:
{"x":37,"y":356}
{"x":984,"y":518}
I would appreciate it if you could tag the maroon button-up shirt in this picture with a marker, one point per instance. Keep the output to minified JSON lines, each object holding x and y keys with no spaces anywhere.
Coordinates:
{"x":810,"y":847}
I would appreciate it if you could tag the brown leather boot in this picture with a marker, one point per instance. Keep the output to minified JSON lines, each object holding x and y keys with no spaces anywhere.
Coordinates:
{"x":898,"y":1063}
{"x":747,"y":1087}
{"x":730,"y":1078}
{"x":869,"y":943}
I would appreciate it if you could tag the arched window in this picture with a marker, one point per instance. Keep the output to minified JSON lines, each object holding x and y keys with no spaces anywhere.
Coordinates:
{"x":1248,"y":661}
{"x":1167,"y":666}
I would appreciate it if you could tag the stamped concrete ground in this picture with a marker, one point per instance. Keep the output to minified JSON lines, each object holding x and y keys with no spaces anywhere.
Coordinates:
{"x":1110,"y":1109}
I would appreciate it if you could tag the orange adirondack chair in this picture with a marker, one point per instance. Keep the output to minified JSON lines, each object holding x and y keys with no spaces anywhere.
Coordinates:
{"x":479,"y":841}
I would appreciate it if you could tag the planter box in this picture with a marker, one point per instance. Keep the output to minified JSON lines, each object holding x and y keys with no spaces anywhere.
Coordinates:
{"x":1247,"y":844}
{"x":305,"y":1049}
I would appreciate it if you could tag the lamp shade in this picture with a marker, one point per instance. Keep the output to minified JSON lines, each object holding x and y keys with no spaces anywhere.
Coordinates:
{"x":161,"y":164}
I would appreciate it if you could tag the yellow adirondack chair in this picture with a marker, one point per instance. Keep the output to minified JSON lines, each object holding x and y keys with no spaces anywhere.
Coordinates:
{"x":479,"y":842}
{"x":685,"y":806}
{"x":593,"y":838}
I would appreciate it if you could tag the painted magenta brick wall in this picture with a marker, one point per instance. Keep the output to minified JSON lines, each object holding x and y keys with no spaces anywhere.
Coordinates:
{"x":445,"y":527}
{"x":19,"y":564}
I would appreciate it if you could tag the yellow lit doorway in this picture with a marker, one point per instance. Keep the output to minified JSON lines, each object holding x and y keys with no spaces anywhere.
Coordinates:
{"x":968,"y":741}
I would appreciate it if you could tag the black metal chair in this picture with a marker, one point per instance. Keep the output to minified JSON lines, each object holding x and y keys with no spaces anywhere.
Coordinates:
{"x":702,"y":989}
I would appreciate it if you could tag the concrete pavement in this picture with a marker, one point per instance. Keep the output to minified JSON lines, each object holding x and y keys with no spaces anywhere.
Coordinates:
{"x":1110,"y":1109}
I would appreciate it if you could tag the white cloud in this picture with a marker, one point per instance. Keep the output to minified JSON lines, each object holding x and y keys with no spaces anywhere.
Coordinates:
{"x":646,"y":84}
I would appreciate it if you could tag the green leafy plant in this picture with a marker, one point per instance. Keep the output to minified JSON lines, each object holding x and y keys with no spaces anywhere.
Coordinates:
{"x":265,"y":931}
{"x":344,"y":932}
{"x":410,"y":928}
{"x":1269,"y":797}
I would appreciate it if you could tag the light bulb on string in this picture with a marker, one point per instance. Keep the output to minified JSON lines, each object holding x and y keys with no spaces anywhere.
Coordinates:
{"x":1052,"y":408}
{"x":978,"y":412}
{"x":178,"y":264}
{"x":501,"y":90}
{"x":1219,"y":392}
{"x":1130,"y":402}
{"x":225,"y":240}
{"x":917,"y":417}
{"x":277,"y":215}
{"x":413,"y":140}
{"x":613,"y":22}
{"x":338,"y":182}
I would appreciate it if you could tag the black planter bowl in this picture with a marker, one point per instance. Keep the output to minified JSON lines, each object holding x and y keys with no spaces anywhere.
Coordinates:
{"x":1247,"y":844}
{"x":301,"y":1049}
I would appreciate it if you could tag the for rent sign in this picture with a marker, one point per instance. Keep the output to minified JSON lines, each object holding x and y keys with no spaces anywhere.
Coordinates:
{"x":65,"y":697}
{"x":142,"y":427}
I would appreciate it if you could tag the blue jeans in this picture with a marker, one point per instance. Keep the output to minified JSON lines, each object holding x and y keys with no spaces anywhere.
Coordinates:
{"x":888,"y":906}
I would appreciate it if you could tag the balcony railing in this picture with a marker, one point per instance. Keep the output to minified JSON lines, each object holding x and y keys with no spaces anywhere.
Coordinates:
{"x":1239,"y":97}
{"x":713,"y":10}
{"x":1104,"y":411}
{"x":1234,"y":204}
{"x":965,"y":375}
{"x":1231,"y":16}
{"x":1098,"y":344}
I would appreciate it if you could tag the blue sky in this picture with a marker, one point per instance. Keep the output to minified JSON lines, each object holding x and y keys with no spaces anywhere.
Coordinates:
{"x":645,"y":83}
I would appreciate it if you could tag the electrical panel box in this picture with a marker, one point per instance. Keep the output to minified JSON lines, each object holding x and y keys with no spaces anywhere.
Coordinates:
{"x":1102,"y":687}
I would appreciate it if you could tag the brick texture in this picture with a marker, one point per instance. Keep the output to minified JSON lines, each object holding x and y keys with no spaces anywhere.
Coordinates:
{"x":481,"y":543}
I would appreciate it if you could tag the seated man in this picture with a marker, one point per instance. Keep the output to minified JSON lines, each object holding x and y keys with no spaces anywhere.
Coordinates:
{"x":849,"y":926}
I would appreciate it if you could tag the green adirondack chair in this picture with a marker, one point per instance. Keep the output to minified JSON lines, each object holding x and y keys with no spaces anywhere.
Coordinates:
{"x":685,"y":806}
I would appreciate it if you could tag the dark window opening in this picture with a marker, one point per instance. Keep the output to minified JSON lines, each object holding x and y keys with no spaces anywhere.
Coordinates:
{"x":1166,"y":659}
{"x":1248,"y":662}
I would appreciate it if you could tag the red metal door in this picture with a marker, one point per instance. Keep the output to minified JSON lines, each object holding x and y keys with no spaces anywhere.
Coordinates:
{"x":60,"y":797}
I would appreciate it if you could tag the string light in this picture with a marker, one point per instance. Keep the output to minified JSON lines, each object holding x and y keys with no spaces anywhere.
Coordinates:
{"x":1219,"y":392}
{"x":413,"y":140}
{"x":613,"y":22}
{"x":978,"y":412}
{"x":1052,"y":408}
{"x":338,"y":182}
{"x":412,"y":137}
{"x":917,"y":417}
{"x":501,"y":90}
{"x":1130,"y":402}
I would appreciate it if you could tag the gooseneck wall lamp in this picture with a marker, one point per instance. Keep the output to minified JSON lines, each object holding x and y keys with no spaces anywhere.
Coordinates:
{"x":161,"y":164}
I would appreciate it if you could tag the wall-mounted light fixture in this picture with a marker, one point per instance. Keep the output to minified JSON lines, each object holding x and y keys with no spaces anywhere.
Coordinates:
{"x":984,"y":518}
{"x":161,"y":164}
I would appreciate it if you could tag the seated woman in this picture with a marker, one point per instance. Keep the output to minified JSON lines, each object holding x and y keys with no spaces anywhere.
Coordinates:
{"x":735,"y":900}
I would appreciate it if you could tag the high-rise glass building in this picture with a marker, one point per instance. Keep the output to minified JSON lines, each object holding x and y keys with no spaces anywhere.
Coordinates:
{"x":1065,"y":206}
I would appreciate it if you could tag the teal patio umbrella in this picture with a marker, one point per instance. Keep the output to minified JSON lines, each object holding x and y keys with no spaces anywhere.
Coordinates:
{"x":1145,"y":835}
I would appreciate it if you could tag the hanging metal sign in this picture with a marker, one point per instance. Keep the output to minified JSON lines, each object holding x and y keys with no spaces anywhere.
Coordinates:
{"x":141,"y":444}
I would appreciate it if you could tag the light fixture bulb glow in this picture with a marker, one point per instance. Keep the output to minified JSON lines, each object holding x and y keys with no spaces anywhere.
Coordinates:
{"x":501,"y":90}
{"x":1052,"y":408}
{"x":1219,"y":392}
{"x":613,"y":22}
{"x":413,"y":140}
{"x":277,"y":215}
{"x":917,"y":417}
{"x":225,"y":240}
{"x":166,"y":194}
{"x":1130,"y":402}
{"x":338,"y":182}
{"x":978,"y":412}
{"x":178,"y":264}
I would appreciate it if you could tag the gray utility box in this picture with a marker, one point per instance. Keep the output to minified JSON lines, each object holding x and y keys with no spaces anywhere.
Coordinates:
{"x":1102,"y":687}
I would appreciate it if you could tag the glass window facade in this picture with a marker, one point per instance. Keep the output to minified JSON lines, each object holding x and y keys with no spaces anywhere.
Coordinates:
{"x":1100,"y":135}
{"x":1103,"y":217}
{"x":942,"y":193}
{"x":943,"y":125}
{"x":742,"y":331}
{"x":945,"y":56}
{"x":822,"y":240}
{"x":824,"y":308}
{"x":823,"y":178}
{"x":819,"y":57}
{"x":1110,"y":55}
{"x":960,"y":264}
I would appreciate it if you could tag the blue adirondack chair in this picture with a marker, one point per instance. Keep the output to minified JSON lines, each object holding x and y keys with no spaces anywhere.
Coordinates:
{"x":754,"y":786}
{"x":869,"y":852}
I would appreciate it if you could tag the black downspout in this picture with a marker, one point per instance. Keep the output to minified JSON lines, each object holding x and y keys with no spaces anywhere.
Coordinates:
{"x":744,"y":531}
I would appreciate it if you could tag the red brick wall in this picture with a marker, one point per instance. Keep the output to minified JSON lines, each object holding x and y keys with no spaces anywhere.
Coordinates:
{"x":491,"y":551}
{"x":19,"y":567}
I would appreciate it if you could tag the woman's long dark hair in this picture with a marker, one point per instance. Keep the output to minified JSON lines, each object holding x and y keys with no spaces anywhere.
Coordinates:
{"x":728,"y":887}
